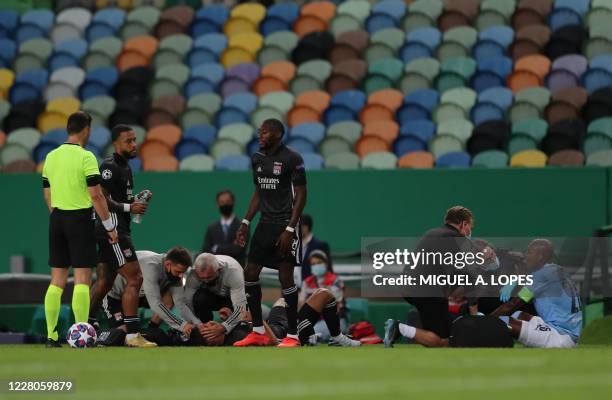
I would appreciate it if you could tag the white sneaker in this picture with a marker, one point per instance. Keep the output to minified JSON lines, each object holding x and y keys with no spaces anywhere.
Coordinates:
{"x":345,"y":341}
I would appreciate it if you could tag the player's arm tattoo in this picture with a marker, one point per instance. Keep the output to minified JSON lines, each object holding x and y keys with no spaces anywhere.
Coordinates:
{"x":300,"y":202}
{"x":508,"y":307}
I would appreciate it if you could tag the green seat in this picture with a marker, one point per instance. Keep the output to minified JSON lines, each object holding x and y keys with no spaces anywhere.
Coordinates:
{"x":491,"y":159}
{"x":462,"y":96}
{"x":164,"y":87}
{"x":489,"y":18}
{"x":458,"y":128}
{"x":270,"y":54}
{"x":103,"y":105}
{"x":379,"y":160}
{"x":358,"y":9}
{"x":97,"y":59}
{"x":391,"y":37}
{"x":166,"y":57}
{"x":333,"y":145}
{"x":602,"y":158}
{"x":535,"y":128}
{"x":596,"y":47}
{"x":607,"y":4}
{"x":225,"y":147}
{"x":5,"y":109}
{"x":427,"y":67}
{"x":430,"y":8}
{"x":600,"y":31}
{"x":111,"y":46}
{"x":26,"y":137}
{"x":134,"y":29}
{"x":450,"y":50}
{"x":447,"y":81}
{"x":518,"y":143}
{"x":196,"y":116}
{"x":263,"y":113}
{"x":415,"y":20}
{"x":374,"y":83}
{"x":304,"y":83}
{"x":240,"y":133}
{"x":602,"y":126}
{"x":40,"y":48}
{"x":522,"y":111}
{"x":147,"y":15}
{"x":538,"y":96}
{"x":12,"y":152}
{"x":345,"y":160}
{"x":347,"y":130}
{"x":284,"y":40}
{"x":141,"y":133}
{"x":598,"y":16}
{"x":390,"y":68}
{"x":463,"y":66}
{"x":179,"y":42}
{"x":207,"y":102}
{"x":448,"y":112}
{"x":464,"y":35}
{"x":281,"y":101}
{"x":414,"y":81}
{"x":197,"y":163}
{"x":595,"y":142}
{"x":378,"y":51}
{"x":504,"y":7}
{"x":320,"y":70}
{"x":97,"y":119}
{"x":177,"y":73}
{"x":342,"y":23}
{"x":25,"y":62}
{"x":443,"y":144}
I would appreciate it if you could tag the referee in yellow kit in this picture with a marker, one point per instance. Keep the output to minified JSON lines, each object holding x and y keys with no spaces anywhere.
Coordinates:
{"x":71,"y":185}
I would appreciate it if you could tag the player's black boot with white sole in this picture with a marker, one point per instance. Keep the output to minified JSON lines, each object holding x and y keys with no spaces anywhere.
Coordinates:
{"x":392,"y":332}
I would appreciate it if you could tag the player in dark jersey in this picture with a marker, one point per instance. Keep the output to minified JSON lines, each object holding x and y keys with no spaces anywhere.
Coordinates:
{"x":118,"y":184}
{"x":280,"y":195}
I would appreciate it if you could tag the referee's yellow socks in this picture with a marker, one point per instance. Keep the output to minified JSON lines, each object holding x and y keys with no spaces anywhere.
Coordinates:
{"x":80,"y":302}
{"x":53,"y":300}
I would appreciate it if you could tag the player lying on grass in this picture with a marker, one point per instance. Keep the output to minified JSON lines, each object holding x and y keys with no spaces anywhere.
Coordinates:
{"x":559,"y":320}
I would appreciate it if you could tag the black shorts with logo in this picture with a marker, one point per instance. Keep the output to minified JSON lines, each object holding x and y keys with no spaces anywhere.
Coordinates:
{"x":72,"y":240}
{"x":113,"y":310}
{"x":264,"y":251}
{"x":118,"y":254}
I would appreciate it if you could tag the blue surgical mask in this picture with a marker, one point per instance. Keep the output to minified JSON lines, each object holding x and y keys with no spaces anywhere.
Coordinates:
{"x":318,"y":269}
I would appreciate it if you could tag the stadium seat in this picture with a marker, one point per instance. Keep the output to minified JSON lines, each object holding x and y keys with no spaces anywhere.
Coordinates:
{"x":491,"y":159}
{"x":416,"y":159}
{"x":528,"y":158}
{"x":379,"y":160}
{"x":342,"y":161}
{"x":198,"y":162}
{"x":453,"y":160}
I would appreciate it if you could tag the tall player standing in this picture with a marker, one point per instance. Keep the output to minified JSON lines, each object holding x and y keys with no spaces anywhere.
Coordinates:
{"x":118,"y":184}
{"x":280,"y":194}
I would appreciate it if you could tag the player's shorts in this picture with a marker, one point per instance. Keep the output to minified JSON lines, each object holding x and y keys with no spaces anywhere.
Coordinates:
{"x":118,"y":254}
{"x":263,"y":250}
{"x":113,"y":310}
{"x":537,"y":333}
{"x":72,"y":240}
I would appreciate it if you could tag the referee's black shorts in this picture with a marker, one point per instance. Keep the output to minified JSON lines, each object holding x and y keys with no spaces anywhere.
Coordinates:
{"x":264,"y":251}
{"x":72,"y":240}
{"x":115,"y":255}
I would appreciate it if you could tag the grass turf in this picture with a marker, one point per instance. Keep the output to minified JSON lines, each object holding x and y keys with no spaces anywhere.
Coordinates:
{"x":370,"y":372}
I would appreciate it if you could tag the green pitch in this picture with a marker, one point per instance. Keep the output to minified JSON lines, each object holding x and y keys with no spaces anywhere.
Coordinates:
{"x":370,"y":372}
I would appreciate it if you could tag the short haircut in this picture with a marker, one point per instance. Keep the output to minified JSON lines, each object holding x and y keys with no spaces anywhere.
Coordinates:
{"x":77,"y":122}
{"x":274,"y":125}
{"x":306,"y":220}
{"x":179,"y":255}
{"x":222,"y":192}
{"x":118,"y":130}
{"x":206,"y":260}
{"x":457,"y":215}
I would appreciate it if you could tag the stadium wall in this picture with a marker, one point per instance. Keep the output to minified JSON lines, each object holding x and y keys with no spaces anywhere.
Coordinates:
{"x":346,"y":205}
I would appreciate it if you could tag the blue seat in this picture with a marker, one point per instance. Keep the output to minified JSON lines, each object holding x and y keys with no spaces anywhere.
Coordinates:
{"x":55,"y":137}
{"x":77,"y":48}
{"x":230,"y":115}
{"x":502,"y":35}
{"x":352,"y":99}
{"x":377,"y":22}
{"x":502,"y":97}
{"x":203,"y":26}
{"x":253,"y":146}
{"x":238,"y":162}
{"x":188,"y":147}
{"x":457,"y":159}
{"x":95,"y":150}
{"x":100,"y":136}
{"x":212,"y":72}
{"x":36,"y":77}
{"x":428,"y":36}
{"x":560,"y":17}
{"x":8,"y":50}
{"x":62,"y":60}
{"x":314,"y":132}
{"x":392,"y":8}
{"x":42,"y":19}
{"x":27,"y":32}
{"x":198,"y":85}
{"x":500,"y":66}
{"x":215,"y":42}
{"x":486,"y":50}
{"x":9,"y":20}
{"x":99,"y":30}
{"x":595,"y":79}
{"x":313,"y":161}
{"x":411,"y":112}
{"x":112,"y":16}
{"x":301,"y":145}
{"x":335,"y":114}
{"x":201,"y":56}
{"x":135,"y":164}
{"x":41,"y":150}
{"x":603,"y":61}
{"x":581,"y":7}
{"x":246,"y":101}
{"x":422,"y":129}
{"x":205,"y":134}
{"x":408,"y":144}
{"x":287,"y":12}
{"x":413,"y":51}
{"x":273,"y":24}
{"x":426,"y":98}
{"x":217,"y":14}
{"x":486,"y":111}
{"x":484,"y":80}
{"x":92,"y":89}
{"x":106,"y":76}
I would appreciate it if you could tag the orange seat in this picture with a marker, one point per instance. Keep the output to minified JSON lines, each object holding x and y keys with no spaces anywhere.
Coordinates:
{"x":167,"y":133}
{"x":416,"y":159}
{"x":375,"y":112}
{"x":306,"y":24}
{"x":154,"y":148}
{"x":281,"y":70}
{"x":315,"y":99}
{"x":145,"y":45}
{"x":370,"y":144}
{"x":535,"y":63}
{"x":130,"y":58}
{"x":2,"y":138}
{"x":390,"y":98}
{"x":301,"y":114}
{"x":520,"y":80}
{"x":324,"y":10}
{"x":388,"y":130}
{"x":164,"y":163}
{"x":268,"y":84}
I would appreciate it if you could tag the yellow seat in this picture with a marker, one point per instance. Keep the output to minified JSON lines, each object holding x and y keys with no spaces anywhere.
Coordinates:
{"x":7,"y":77}
{"x":64,"y":105}
{"x":50,"y":120}
{"x":254,"y":12}
{"x":250,"y":42}
{"x":528,"y":158}
{"x":236,"y":55}
{"x":236,"y":26}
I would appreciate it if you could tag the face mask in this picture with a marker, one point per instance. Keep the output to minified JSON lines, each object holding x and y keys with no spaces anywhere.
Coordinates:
{"x":319,"y":269}
{"x":171,"y":277}
{"x":226,"y":210}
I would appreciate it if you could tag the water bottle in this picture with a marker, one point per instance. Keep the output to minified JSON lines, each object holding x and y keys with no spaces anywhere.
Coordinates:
{"x":142,"y":197}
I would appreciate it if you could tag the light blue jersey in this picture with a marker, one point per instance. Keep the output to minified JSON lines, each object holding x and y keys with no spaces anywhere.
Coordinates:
{"x":555,"y":299}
